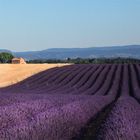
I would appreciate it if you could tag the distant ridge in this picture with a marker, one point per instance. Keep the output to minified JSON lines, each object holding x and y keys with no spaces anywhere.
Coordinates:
{"x":4,"y":50}
{"x":92,"y":52}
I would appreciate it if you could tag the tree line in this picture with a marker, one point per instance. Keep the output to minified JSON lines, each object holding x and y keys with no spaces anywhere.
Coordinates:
{"x":118,"y":60}
{"x":7,"y":58}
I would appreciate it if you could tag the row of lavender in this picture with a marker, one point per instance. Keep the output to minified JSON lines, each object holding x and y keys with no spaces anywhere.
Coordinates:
{"x":56,"y":104}
{"x":46,"y":117}
{"x":83,"y":79}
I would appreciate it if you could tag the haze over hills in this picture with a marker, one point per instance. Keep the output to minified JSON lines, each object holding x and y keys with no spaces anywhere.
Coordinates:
{"x":93,"y":52}
{"x":4,"y":50}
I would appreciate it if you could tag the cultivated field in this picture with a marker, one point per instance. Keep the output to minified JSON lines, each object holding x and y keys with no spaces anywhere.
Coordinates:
{"x":75,"y":102}
{"x":13,"y":73}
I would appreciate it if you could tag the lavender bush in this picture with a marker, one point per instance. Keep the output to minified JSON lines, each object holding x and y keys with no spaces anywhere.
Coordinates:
{"x":58,"y":104}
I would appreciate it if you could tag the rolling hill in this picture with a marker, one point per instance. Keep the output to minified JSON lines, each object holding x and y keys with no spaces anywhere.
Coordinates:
{"x":93,"y":52}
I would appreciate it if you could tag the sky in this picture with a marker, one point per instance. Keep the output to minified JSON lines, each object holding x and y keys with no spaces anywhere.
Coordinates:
{"x":41,"y":24}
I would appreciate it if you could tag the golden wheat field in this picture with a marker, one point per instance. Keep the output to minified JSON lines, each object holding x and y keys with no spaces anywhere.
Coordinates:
{"x":14,"y":73}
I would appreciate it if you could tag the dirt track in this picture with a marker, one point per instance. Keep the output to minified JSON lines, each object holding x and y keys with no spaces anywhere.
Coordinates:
{"x":13,"y":73}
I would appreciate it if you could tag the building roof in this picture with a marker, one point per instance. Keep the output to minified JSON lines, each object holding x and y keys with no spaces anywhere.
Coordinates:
{"x":18,"y":58}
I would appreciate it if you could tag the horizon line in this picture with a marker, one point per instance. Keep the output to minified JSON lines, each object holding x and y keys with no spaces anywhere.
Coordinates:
{"x":73,"y":48}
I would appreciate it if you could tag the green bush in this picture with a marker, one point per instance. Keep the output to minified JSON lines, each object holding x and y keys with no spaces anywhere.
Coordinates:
{"x":6,"y":57}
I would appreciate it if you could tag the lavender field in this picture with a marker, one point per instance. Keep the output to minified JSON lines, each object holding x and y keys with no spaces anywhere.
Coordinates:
{"x":75,"y":102}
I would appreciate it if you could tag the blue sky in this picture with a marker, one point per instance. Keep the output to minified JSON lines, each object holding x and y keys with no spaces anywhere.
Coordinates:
{"x":41,"y":24}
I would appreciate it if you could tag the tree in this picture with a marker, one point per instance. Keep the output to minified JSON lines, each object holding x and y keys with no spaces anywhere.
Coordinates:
{"x":6,"y":57}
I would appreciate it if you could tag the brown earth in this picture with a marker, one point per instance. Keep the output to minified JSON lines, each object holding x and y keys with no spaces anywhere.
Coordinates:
{"x":13,"y":73}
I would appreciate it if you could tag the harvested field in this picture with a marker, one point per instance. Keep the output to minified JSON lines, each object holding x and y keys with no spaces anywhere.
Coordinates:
{"x":13,"y":73}
{"x":75,"y":102}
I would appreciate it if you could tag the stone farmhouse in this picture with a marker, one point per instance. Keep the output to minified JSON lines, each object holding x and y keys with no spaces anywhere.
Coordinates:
{"x":18,"y":61}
